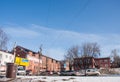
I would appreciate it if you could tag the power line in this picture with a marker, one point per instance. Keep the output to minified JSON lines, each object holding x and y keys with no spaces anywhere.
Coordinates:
{"x":71,"y":22}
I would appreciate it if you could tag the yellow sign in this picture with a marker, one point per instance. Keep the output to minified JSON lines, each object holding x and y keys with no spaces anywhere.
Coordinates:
{"x":22,"y":61}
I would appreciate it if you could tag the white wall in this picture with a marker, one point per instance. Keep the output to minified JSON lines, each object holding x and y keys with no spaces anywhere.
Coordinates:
{"x":5,"y":58}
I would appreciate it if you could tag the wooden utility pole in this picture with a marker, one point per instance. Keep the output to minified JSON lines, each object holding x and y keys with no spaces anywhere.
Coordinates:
{"x":40,"y":53}
{"x":46,"y":63}
{"x":14,"y":52}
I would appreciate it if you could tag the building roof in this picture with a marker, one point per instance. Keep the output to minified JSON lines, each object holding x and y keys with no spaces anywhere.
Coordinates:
{"x":6,"y":51}
{"x":27,"y":50}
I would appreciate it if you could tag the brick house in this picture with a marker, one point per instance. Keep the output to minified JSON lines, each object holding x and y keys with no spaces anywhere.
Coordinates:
{"x":31,"y":56}
{"x":52,"y":64}
{"x":91,"y":62}
{"x":82,"y":63}
{"x":36,"y":63}
{"x":102,"y":62}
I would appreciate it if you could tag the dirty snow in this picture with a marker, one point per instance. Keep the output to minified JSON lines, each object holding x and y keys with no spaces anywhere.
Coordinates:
{"x":67,"y":79}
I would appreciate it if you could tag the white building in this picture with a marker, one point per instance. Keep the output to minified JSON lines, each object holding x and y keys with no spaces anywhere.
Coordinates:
{"x":5,"y":57}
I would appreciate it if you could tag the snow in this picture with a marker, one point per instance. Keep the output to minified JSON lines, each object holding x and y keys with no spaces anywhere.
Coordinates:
{"x":69,"y":79}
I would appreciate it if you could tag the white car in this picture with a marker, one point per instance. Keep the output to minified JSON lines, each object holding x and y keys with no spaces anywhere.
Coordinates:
{"x":21,"y":71}
{"x":92,"y":72}
{"x":2,"y":72}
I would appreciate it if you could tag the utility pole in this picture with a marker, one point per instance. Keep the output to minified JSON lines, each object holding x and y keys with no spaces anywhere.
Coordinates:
{"x":14,"y":52}
{"x":46,"y":62}
{"x":40,"y":53}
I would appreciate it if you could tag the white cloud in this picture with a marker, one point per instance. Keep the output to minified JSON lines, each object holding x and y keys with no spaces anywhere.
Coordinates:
{"x":55,"y":42}
{"x":21,"y":32}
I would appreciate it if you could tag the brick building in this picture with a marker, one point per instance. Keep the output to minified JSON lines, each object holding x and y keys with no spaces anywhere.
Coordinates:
{"x":82,"y":63}
{"x":91,"y":62}
{"x":65,"y":65}
{"x":37,"y":62}
{"x":102,"y":62}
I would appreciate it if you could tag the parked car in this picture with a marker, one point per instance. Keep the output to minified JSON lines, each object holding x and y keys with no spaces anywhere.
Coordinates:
{"x":2,"y":72}
{"x":92,"y":72}
{"x":44,"y":73}
{"x":69,"y":73}
{"x":28,"y":72}
{"x":55,"y":73}
{"x":21,"y":71}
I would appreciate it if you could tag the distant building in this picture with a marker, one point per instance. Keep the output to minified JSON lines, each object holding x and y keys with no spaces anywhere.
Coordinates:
{"x":5,"y":57}
{"x":83,"y":63}
{"x":102,"y":62}
{"x":91,"y":62}
{"x":64,"y":66}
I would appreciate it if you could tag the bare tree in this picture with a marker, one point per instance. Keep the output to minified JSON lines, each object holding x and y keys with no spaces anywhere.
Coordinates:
{"x":72,"y":53}
{"x":90,"y":50}
{"x":85,"y":50}
{"x":116,"y":57}
{"x":3,"y":40}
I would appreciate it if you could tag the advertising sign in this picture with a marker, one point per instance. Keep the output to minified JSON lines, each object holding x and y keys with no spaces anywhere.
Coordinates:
{"x":22,"y":61}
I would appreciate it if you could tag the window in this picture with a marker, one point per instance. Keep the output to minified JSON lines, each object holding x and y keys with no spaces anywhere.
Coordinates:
{"x":12,"y":61}
{"x":80,"y":61}
{"x":10,"y":57}
{"x":106,"y":65}
{"x":52,"y":60}
{"x":6,"y":56}
{"x":106,"y":60}
{"x":4,"y":62}
{"x":88,"y":70}
{"x":0,"y":56}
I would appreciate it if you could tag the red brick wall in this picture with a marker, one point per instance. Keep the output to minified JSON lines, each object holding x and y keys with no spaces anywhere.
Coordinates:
{"x":79,"y":63}
{"x":102,"y":62}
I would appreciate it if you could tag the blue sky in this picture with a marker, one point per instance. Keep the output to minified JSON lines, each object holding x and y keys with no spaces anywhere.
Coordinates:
{"x":60,"y":24}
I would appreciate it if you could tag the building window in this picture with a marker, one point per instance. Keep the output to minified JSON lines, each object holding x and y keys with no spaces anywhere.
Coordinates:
{"x":106,"y":65}
{"x":12,"y":61}
{"x":101,"y":61}
{"x":0,"y":56}
{"x":4,"y":62}
{"x":6,"y":56}
{"x":106,"y":60}
{"x":10,"y":57}
{"x":80,"y":61}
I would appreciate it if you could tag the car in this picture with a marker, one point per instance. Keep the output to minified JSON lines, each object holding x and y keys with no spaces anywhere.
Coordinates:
{"x":46,"y":73}
{"x":28,"y":72}
{"x":2,"y":72}
{"x":55,"y":73}
{"x":68,"y":73}
{"x":92,"y":72}
{"x":21,"y":71}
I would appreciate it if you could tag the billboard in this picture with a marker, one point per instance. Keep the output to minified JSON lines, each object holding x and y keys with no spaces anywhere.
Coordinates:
{"x":22,"y":61}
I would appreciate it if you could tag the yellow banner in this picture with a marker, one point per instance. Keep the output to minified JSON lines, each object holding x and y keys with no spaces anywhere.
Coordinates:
{"x":22,"y":61}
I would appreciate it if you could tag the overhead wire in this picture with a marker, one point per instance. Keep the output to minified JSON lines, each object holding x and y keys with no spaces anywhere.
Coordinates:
{"x":71,"y":22}
{"x":47,"y":20}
